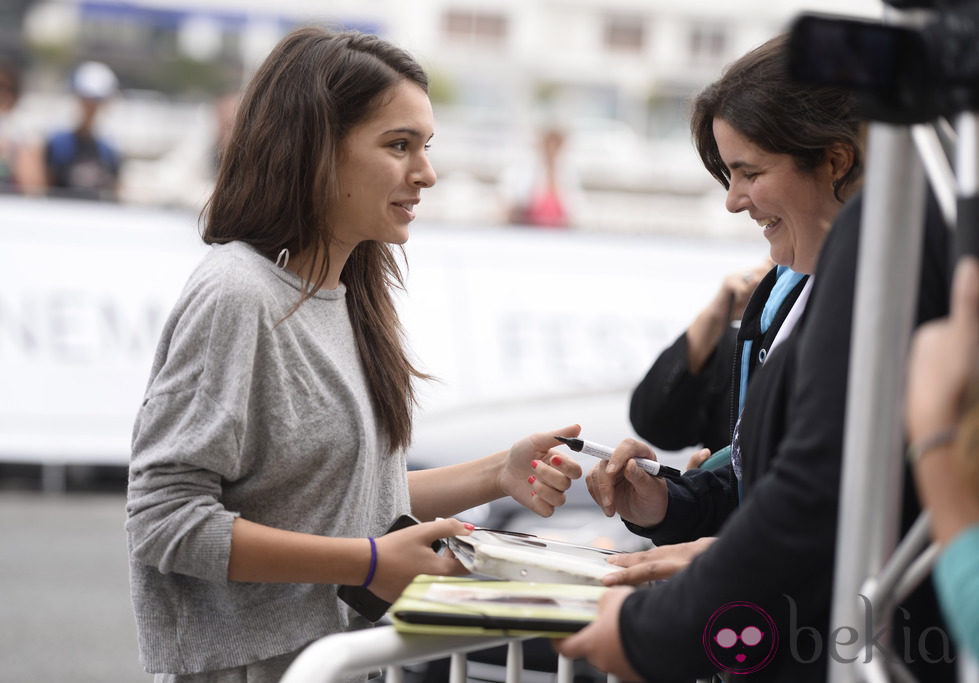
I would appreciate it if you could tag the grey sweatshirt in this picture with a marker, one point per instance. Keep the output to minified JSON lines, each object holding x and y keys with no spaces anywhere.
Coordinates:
{"x":274,"y":424}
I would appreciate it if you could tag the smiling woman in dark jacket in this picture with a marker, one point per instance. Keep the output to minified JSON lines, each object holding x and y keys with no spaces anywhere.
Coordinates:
{"x":755,"y":603}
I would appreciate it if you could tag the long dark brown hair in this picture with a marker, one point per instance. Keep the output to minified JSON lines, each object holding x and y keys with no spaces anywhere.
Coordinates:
{"x":757,"y":96}
{"x":278,"y":177}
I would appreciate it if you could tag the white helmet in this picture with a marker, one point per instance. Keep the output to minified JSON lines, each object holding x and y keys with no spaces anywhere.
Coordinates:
{"x":94,"y":81}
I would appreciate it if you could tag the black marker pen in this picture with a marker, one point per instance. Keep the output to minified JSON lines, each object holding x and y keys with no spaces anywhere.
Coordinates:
{"x":604,"y":452}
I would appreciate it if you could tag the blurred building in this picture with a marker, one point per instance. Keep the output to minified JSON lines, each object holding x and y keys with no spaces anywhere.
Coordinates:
{"x":633,"y":60}
{"x":616,"y":74}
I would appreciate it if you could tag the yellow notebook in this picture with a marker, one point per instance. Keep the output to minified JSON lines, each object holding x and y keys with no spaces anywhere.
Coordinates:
{"x":468,"y":606}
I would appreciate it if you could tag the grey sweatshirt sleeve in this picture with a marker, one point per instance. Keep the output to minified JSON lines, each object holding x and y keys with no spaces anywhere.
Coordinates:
{"x":175,"y":520}
{"x":186,"y":443}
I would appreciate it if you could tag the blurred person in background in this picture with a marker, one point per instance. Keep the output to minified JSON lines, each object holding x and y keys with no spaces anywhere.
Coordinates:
{"x":685,"y":398}
{"x":543,"y":190}
{"x":942,"y":421}
{"x":21,"y":167}
{"x":79,"y":162}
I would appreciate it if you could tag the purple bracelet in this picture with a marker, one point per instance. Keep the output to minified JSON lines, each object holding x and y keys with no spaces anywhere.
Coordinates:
{"x":370,"y":572}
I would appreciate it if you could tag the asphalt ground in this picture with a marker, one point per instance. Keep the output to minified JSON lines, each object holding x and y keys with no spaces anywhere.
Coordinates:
{"x":65,"y":612}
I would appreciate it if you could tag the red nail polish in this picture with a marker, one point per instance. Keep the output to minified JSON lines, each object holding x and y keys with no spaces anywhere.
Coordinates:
{"x":556,"y":460}
{"x":531,"y":479}
{"x":533,"y":463}
{"x":469,"y":526}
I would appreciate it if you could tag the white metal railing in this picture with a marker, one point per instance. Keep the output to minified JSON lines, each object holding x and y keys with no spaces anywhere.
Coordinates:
{"x":326,"y":659}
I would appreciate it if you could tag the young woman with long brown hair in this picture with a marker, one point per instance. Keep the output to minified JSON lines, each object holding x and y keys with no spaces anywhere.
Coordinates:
{"x":269,"y":451}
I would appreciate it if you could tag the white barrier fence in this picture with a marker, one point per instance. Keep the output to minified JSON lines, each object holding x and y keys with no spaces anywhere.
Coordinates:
{"x":329,"y":659}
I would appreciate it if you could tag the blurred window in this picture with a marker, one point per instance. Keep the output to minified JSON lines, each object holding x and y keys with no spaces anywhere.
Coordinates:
{"x":471,"y":26}
{"x":624,"y":33}
{"x":667,"y":115}
{"x":708,"y":43}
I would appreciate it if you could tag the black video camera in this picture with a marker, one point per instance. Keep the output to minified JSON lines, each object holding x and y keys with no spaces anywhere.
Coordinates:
{"x":909,"y":72}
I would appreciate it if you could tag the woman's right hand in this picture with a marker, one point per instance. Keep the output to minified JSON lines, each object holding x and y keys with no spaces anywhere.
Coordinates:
{"x":655,"y":564}
{"x":621,"y":486}
{"x":404,"y":554}
{"x":727,"y":305}
{"x":736,"y":289}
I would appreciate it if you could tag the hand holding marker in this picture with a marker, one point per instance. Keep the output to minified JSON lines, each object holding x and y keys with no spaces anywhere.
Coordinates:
{"x":604,"y":452}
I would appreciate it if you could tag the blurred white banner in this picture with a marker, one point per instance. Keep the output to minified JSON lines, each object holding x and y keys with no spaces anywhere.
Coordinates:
{"x":526,"y":329}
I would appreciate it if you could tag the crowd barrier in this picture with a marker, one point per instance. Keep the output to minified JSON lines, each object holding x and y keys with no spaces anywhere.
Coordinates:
{"x":383,"y":648}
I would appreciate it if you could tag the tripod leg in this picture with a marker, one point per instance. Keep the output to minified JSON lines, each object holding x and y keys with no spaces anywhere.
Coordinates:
{"x":887,"y":281}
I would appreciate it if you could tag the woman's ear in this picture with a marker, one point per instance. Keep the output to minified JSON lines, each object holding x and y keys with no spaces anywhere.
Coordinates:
{"x":840,"y":157}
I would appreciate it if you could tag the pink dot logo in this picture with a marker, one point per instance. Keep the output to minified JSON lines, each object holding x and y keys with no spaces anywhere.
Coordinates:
{"x":740,"y":638}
